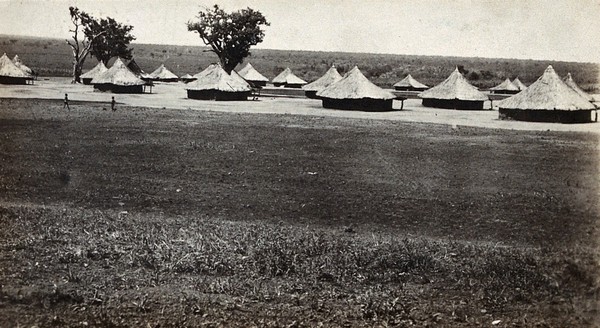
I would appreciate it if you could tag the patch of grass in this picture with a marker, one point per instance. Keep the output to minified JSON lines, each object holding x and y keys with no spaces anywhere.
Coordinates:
{"x":199,"y":266}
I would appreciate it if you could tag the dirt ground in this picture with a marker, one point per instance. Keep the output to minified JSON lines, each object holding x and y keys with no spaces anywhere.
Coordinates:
{"x":173,"y":95}
{"x":224,"y":216}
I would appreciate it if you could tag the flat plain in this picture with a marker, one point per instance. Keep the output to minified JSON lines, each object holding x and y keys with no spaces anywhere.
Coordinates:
{"x":151,"y":216}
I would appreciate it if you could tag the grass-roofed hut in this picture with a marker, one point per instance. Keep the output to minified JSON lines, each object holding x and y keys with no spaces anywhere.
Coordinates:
{"x":519,"y":84}
{"x":330,"y":77}
{"x":410,"y":84}
{"x":17,"y":61}
{"x":252,"y":76}
{"x":505,"y":87}
{"x":98,"y":70}
{"x":288,"y":79}
{"x":549,"y":99}
{"x":454,"y":93}
{"x":11,"y":73}
{"x":355,"y":92}
{"x":215,"y":84}
{"x":570,"y":82}
{"x":163,"y":74}
{"x":118,"y":79}
{"x":187,"y":78}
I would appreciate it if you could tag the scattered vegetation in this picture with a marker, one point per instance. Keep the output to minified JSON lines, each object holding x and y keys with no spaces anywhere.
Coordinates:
{"x":382,"y":69}
{"x":229,"y":35}
{"x":102,"y":38}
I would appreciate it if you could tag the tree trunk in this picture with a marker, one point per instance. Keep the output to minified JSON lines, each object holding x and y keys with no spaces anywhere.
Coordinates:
{"x":76,"y":72}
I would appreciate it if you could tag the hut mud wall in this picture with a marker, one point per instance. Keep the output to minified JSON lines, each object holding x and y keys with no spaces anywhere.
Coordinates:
{"x":364,"y":104}
{"x":119,"y":88}
{"x":549,"y":116}
{"x":453,"y":104}
{"x":14,"y":80}
{"x":218,"y":95}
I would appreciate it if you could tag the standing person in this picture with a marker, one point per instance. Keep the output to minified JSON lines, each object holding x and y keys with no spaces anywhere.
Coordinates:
{"x":66,"y":102}
{"x":113,"y":104}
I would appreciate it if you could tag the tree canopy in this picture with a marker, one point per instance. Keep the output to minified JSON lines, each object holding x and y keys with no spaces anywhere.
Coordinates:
{"x":230,"y":35}
{"x":113,"y":42}
{"x":102,"y":38}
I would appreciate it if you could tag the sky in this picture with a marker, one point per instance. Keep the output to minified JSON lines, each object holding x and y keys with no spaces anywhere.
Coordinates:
{"x":567,"y":30}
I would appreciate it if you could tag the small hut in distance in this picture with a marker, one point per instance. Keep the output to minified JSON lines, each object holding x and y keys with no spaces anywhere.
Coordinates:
{"x":570,"y":82}
{"x":98,"y":70}
{"x":17,"y":61}
{"x":410,"y":84}
{"x":252,"y":76}
{"x":288,"y":79}
{"x":454,"y":93}
{"x":163,"y":74}
{"x":549,"y":99}
{"x":118,"y":79}
{"x":11,"y":73}
{"x":330,"y":77}
{"x":519,"y":84}
{"x":187,"y":78}
{"x":355,"y":92}
{"x":505,"y":87}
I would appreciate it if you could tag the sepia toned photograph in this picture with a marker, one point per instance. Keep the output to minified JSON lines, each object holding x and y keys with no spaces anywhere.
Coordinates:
{"x":316,"y":163}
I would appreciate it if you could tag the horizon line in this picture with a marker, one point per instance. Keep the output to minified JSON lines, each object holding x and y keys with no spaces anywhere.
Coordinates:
{"x":326,"y":51}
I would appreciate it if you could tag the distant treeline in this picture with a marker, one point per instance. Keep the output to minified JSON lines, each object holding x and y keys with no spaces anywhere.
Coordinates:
{"x":52,"y":57}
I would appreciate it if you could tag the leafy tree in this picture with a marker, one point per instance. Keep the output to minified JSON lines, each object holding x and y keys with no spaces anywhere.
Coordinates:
{"x":103,"y":38}
{"x":230,"y":35}
{"x":114,"y":41}
{"x":80,"y":47}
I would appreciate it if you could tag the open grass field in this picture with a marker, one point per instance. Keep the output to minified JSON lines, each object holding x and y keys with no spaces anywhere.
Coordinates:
{"x":172,"y":217}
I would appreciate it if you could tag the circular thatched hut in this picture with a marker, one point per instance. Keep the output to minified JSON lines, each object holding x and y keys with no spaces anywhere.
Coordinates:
{"x":454,"y":93}
{"x":410,"y":84}
{"x":355,"y":92}
{"x":118,"y":79}
{"x":11,"y":73}
{"x":162,"y":74}
{"x":288,"y":79}
{"x":252,"y":76}
{"x":330,"y":77}
{"x":215,"y":84}
{"x":505,"y":87}
{"x":548,"y":99}
{"x":98,"y":70}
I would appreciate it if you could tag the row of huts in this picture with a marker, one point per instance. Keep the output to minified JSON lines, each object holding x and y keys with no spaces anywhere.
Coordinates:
{"x":549,"y":99}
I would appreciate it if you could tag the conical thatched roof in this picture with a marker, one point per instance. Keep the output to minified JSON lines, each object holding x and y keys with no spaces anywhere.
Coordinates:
{"x":354,"y":85}
{"x":454,"y":87}
{"x":287,"y":77}
{"x":9,"y":69}
{"x":118,"y":74}
{"x":206,"y":70}
{"x":96,"y":71}
{"x":250,"y":74}
{"x":215,"y":78}
{"x":162,"y":73}
{"x":549,"y":92}
{"x":17,"y":61}
{"x":137,"y":70}
{"x":187,"y":76}
{"x":519,"y":84}
{"x":330,"y":77}
{"x":410,"y":82}
{"x":570,"y":82}
{"x":505,"y":86}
